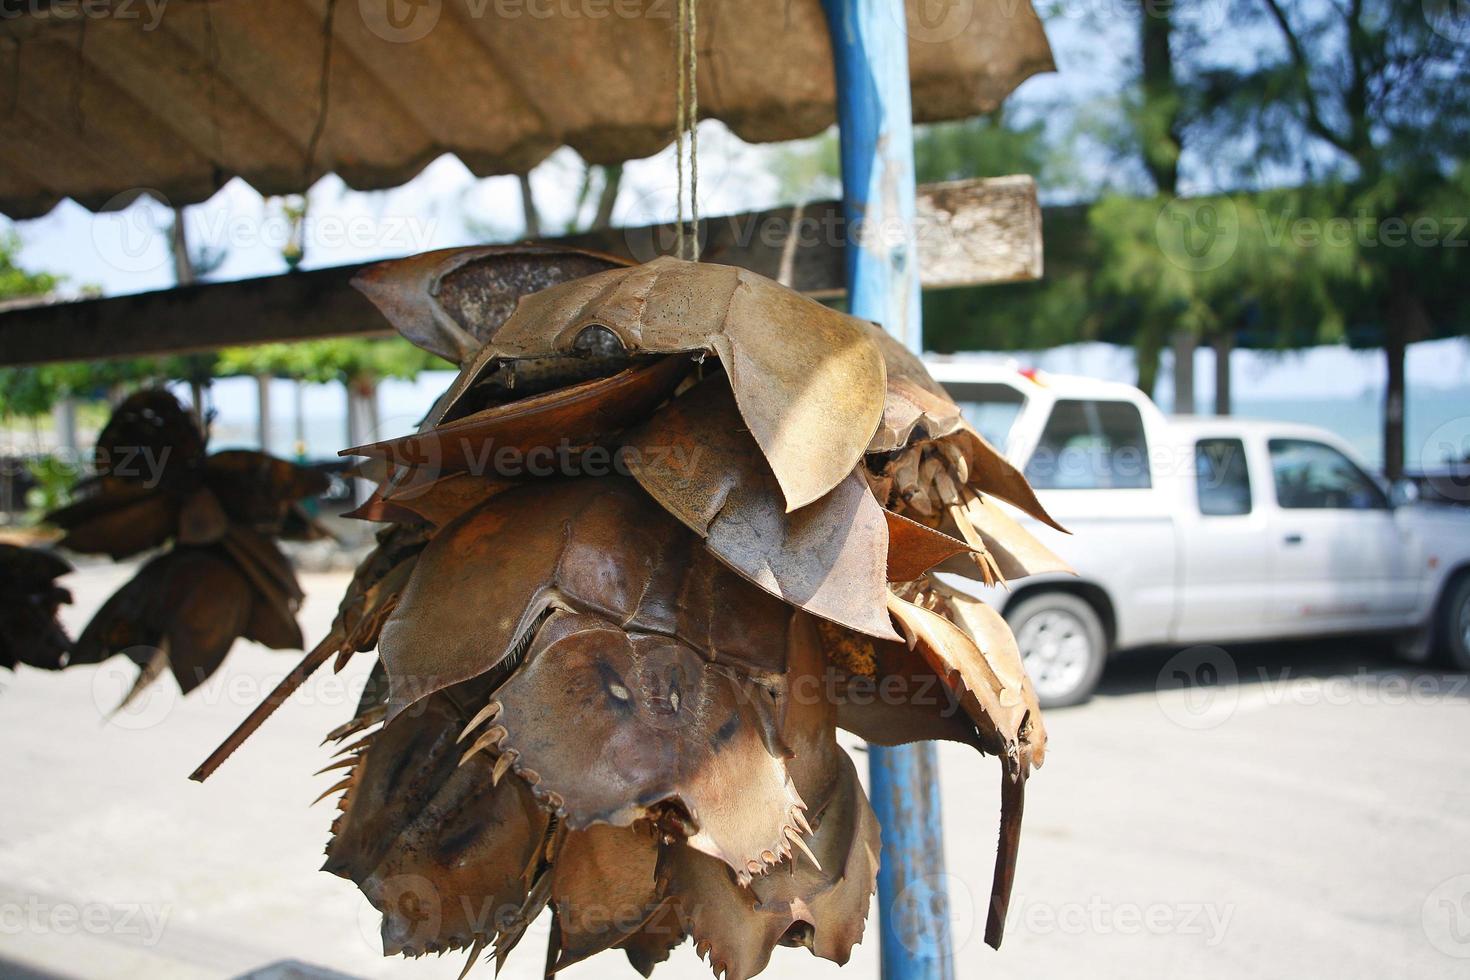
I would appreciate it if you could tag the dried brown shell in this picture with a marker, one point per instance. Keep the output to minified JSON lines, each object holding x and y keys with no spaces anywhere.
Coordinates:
{"x":435,"y":846}
{"x":117,"y":518}
{"x":260,"y":490}
{"x":29,"y":600}
{"x":371,"y":596}
{"x":592,"y":545}
{"x":436,"y":500}
{"x":662,"y":735}
{"x":575,"y":416}
{"x":808,"y":380}
{"x":1016,"y":551}
{"x":451,"y":301}
{"x":903,"y":700}
{"x":981,"y":665}
{"x":191,"y":603}
{"x":917,"y":409}
{"x":604,"y":888}
{"x":984,"y":671}
{"x":914,"y":548}
{"x":149,"y":437}
{"x":737,"y":927}
{"x":830,"y":557}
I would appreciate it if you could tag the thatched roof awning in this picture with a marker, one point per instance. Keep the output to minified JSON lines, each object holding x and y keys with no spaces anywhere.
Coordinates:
{"x":106,"y":99}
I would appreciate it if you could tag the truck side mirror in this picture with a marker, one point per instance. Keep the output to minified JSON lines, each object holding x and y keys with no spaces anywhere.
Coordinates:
{"x":1403,"y":491}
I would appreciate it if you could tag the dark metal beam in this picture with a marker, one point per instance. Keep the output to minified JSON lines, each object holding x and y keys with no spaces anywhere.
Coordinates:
{"x":969,"y":233}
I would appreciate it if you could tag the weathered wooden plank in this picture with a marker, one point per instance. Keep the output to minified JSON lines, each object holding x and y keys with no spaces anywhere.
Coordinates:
{"x":969,"y":233}
{"x":297,"y":306}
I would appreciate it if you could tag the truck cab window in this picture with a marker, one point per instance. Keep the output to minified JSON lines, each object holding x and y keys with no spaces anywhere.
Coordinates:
{"x":1091,"y":445}
{"x":1222,"y":479}
{"x":990,"y":408}
{"x":1314,"y":476}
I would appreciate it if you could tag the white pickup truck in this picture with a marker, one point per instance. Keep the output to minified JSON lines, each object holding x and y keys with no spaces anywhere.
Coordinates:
{"x":1204,"y":530}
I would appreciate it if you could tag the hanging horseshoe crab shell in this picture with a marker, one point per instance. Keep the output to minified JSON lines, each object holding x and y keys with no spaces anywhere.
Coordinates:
{"x":448,"y":844}
{"x":29,"y":599}
{"x":692,"y":454}
{"x":450,"y":301}
{"x":218,"y":516}
{"x":621,"y":690}
{"x":927,"y":463}
{"x":597,"y":546}
{"x":807,"y":379}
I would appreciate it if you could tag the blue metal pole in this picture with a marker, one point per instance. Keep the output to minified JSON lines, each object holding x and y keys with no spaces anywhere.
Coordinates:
{"x":874,"y":117}
{"x":875,"y":125}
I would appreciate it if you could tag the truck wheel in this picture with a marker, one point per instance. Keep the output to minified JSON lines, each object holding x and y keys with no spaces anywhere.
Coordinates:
{"x":1453,"y":628}
{"x":1062,"y":644}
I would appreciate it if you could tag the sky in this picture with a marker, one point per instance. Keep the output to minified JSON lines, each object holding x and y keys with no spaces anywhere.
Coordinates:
{"x":445,"y":205}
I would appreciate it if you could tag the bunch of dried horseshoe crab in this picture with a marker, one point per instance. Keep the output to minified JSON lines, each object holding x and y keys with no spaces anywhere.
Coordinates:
{"x":220,"y":575}
{"x":29,"y":599}
{"x":664,"y":525}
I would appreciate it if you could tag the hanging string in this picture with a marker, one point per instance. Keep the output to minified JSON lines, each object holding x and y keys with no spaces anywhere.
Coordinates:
{"x":681,"y":84}
{"x":686,"y":120}
{"x":693,"y":120}
{"x":324,"y":92}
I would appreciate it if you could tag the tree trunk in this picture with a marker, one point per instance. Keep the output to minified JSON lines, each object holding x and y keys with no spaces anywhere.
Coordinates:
{"x":64,"y":419}
{"x":1224,"y":343}
{"x":1185,"y":344}
{"x":362,"y":424}
{"x":196,"y":392}
{"x":362,"y":411}
{"x":612,"y":179}
{"x":1147,"y":358}
{"x":263,"y":411}
{"x":1393,"y":401}
{"x":300,"y":447}
{"x":179,"y":248}
{"x":184,"y":276}
{"x":528,"y":207}
{"x":1160,"y":132}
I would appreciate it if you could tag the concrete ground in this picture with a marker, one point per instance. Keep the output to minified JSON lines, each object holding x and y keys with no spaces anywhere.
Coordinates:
{"x":1307,"y":816}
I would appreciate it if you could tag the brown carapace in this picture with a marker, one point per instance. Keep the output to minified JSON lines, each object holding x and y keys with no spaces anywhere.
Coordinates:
{"x":219,"y":575}
{"x":29,"y":599}
{"x":671,"y":527}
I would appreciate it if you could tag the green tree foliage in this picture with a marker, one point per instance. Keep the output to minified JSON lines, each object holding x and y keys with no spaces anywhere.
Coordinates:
{"x":25,"y":391}
{"x":1209,"y":265}
{"x":988,"y":146}
{"x":16,"y":282}
{"x":352,"y":361}
{"x":1369,"y":95}
{"x":22,"y":392}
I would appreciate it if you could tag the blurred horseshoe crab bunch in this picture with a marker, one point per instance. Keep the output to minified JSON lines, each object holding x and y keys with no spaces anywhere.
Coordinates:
{"x":670,"y":528}
{"x":216,"y":517}
{"x":29,"y":599}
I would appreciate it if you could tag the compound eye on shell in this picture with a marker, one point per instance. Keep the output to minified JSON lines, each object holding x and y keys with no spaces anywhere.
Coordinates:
{"x":620,"y":687}
{"x":595,"y":340}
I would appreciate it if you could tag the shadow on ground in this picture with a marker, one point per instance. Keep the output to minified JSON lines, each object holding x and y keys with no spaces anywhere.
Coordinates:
{"x":1133,"y":672}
